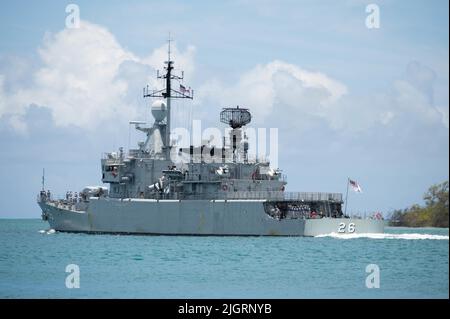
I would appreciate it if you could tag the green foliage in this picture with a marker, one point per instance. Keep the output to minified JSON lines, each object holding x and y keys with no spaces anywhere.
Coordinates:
{"x":433,"y":214}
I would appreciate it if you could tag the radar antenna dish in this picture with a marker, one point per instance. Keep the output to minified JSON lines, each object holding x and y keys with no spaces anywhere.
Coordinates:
{"x":235,"y":117}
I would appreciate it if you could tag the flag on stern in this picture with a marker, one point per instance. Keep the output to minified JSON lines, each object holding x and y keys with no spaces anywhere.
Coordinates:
{"x":355,"y":186}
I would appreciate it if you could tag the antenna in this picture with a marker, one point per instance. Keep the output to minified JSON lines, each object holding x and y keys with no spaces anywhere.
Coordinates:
{"x":43,"y":179}
{"x":235,"y":117}
{"x":169,"y":40}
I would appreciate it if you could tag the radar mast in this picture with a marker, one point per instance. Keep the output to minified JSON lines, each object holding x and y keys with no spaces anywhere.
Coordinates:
{"x":236,"y":118}
{"x":169,"y":93}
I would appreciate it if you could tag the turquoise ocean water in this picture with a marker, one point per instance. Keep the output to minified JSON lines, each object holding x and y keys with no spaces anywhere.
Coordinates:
{"x":413,"y":263}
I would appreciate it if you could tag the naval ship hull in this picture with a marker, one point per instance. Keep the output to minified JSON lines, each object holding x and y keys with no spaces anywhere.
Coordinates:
{"x":193,"y":217}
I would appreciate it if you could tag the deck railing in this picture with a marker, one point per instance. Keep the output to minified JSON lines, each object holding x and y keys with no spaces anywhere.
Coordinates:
{"x":269,"y":195}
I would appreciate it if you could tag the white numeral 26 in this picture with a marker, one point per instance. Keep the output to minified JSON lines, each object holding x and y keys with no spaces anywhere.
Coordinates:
{"x":351,"y":228}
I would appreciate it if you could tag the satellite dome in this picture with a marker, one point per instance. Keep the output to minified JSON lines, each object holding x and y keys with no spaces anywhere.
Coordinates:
{"x":159,"y":110}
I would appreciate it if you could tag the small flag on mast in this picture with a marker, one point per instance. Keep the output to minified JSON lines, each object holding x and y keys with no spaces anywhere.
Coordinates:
{"x":355,"y":186}
{"x":184,"y":90}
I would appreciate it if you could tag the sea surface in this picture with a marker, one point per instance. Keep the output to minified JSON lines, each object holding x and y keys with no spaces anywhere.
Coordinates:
{"x":412,"y":263}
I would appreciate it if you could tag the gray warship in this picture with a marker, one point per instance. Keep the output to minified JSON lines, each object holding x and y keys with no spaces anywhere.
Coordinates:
{"x":231,"y":195}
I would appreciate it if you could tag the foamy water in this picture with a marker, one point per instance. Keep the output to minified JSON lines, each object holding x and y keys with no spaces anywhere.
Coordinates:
{"x":410,"y":236}
{"x":47,"y":231}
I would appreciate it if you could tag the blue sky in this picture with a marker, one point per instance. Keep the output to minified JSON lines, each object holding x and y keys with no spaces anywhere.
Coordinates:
{"x":371,"y":104}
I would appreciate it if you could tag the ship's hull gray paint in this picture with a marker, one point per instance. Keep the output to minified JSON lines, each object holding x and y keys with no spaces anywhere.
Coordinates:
{"x":193,"y":217}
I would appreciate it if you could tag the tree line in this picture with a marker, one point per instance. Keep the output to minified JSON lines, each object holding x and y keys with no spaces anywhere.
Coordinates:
{"x":433,"y":214}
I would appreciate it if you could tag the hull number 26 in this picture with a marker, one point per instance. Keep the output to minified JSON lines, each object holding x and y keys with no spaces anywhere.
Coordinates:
{"x":350,"y":229}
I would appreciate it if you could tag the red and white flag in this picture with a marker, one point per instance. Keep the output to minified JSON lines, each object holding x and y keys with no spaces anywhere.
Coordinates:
{"x":355,"y":186}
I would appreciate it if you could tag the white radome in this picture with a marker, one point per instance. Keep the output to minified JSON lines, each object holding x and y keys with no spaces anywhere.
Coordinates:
{"x":159,"y":110}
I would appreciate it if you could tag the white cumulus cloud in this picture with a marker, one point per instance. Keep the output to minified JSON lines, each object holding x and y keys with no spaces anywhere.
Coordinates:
{"x":279,"y":92}
{"x":278,"y":83}
{"x":86,"y":78}
{"x":82,"y":78}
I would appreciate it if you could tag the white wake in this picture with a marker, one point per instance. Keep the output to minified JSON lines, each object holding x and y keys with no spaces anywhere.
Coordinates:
{"x":48,"y":231}
{"x":386,"y":236}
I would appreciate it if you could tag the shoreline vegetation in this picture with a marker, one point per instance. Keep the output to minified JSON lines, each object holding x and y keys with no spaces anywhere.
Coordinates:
{"x":433,"y":214}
